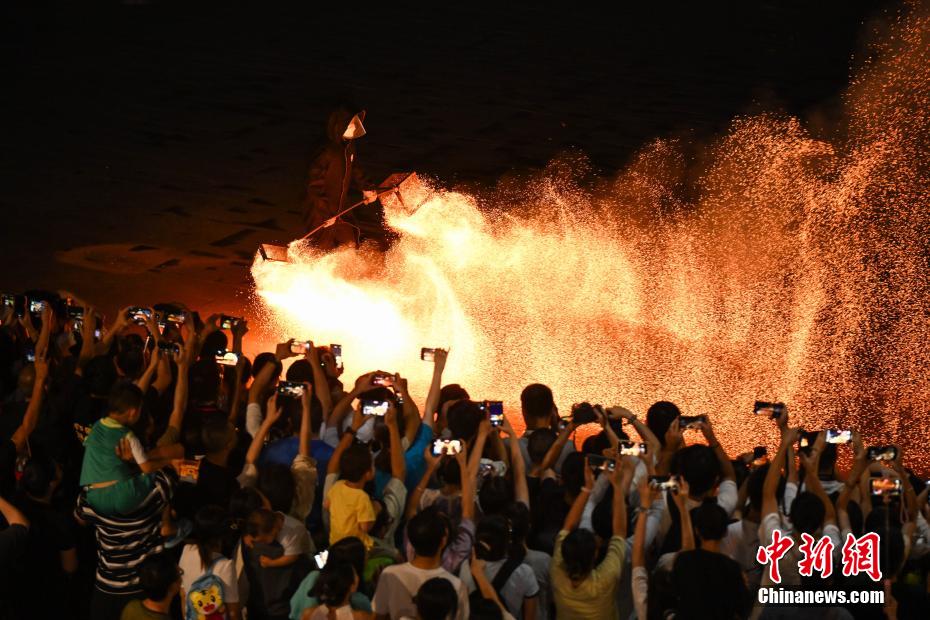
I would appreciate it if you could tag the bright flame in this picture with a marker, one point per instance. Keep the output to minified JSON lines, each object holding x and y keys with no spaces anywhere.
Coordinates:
{"x":793,"y":269}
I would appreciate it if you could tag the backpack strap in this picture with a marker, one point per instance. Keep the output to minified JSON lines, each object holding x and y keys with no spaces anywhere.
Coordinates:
{"x":500,"y":579}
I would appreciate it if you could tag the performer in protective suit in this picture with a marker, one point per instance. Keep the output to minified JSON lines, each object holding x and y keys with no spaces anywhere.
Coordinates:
{"x":333,"y":175}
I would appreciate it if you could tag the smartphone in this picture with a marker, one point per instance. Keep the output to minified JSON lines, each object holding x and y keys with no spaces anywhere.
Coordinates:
{"x":881,"y":487}
{"x":382,"y":379}
{"x":773,"y":409}
{"x":629,"y":448}
{"x":443,"y":447}
{"x":37,"y":307}
{"x":427,"y":355}
{"x":189,"y":471}
{"x":336,"y":350}
{"x":665,"y":483}
{"x":228,"y":322}
{"x":563,"y":423}
{"x":690,"y":421}
{"x":75,"y":313}
{"x":290,"y":389}
{"x":599,"y":463}
{"x":373,"y":406}
{"x":320,"y":559}
{"x":177,"y":317}
{"x":583,"y":413}
{"x":760,"y":456}
{"x":139,"y":314}
{"x":300,"y":348}
{"x":839,"y":436}
{"x":30,"y":354}
{"x":171,"y":348}
{"x":494,"y":409}
{"x":227,"y":358}
{"x":881,"y":453}
{"x":8,"y":299}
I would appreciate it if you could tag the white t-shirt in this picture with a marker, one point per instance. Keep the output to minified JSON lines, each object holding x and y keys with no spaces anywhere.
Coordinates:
{"x":224,"y":569}
{"x":398,"y":585}
{"x":294,"y":537}
{"x":539,"y":561}
{"x":520,"y":585}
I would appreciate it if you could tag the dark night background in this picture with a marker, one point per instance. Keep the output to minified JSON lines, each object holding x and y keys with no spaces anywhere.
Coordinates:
{"x":183,"y":133}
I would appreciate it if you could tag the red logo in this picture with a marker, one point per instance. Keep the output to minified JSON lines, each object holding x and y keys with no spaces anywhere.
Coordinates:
{"x":859,"y":555}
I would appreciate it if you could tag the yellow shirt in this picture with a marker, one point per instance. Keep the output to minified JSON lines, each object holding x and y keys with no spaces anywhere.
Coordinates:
{"x":347,"y":508}
{"x":595,"y":596}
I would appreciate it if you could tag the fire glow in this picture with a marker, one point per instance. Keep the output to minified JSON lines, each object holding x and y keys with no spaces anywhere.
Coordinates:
{"x":794,"y":268}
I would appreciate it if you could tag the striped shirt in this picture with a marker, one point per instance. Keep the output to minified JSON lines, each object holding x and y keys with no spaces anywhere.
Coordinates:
{"x":124,"y":541}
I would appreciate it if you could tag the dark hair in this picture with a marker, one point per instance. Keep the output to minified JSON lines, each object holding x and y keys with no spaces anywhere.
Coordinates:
{"x":827,"y":458}
{"x":518,"y":514}
{"x":204,"y":381}
{"x":807,"y":513}
{"x":276,"y":482}
{"x":157,"y":573}
{"x":426,"y":530}
{"x":334,"y":584}
{"x":579,"y":549}
{"x":261,"y":521}
{"x":100,"y":375}
{"x":463,"y":419}
{"x":537,"y":402}
{"x":355,"y":462}
{"x":213,"y":344}
{"x":436,"y":599}
{"x":480,"y":608}
{"x":266,"y":358}
{"x":596,"y":444}
{"x":38,"y":475}
{"x":216,"y":432}
{"x":130,"y":356}
{"x":709,"y":521}
{"x":124,"y":396}
{"x":211,"y":524}
{"x":754,"y":484}
{"x":573,"y":472}
{"x":242,"y":503}
{"x":495,"y":495}
{"x":300,"y":371}
{"x":453,"y":391}
{"x":538,"y":444}
{"x":449,"y":472}
{"x":698,"y":465}
{"x":349,"y":550}
{"x":709,"y":585}
{"x":492,"y":538}
{"x":660,"y":416}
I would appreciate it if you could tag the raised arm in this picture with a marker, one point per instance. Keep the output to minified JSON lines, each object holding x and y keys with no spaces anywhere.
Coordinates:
{"x":398,"y":462}
{"x":305,"y":430}
{"x":256,"y":391}
{"x":145,"y":380}
{"x":258,"y":440}
{"x":687,"y":531}
{"x":12,"y":514}
{"x":409,"y":409}
{"x":347,"y":438}
{"x":726,"y":466}
{"x":31,"y":417}
{"x":812,"y":480}
{"x":432,"y":398}
{"x":673,"y":441}
{"x":620,"y":479}
{"x":573,"y":518}
{"x":180,"y":389}
{"x":344,"y":406}
{"x":552,"y":456}
{"x":320,"y":384}
{"x":645,"y":434}
{"x":432,"y":463}
{"x":521,"y":491}
{"x":772,"y":476}
{"x":852,"y":482}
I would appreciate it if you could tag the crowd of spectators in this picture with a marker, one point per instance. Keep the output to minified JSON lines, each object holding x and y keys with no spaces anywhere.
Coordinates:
{"x":149,"y":469}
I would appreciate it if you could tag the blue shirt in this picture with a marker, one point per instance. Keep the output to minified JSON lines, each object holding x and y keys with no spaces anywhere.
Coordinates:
{"x":416,"y":464}
{"x":283,"y":452}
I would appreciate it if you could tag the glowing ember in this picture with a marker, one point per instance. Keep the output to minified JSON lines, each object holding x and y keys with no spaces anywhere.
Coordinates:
{"x":793,"y":269}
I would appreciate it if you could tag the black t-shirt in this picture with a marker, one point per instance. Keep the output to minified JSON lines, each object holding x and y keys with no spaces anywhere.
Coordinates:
{"x":50,"y":532}
{"x":7,"y":467}
{"x":215,"y":486}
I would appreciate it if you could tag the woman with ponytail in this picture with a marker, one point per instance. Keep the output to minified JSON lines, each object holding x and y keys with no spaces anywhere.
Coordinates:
{"x":333,"y":588}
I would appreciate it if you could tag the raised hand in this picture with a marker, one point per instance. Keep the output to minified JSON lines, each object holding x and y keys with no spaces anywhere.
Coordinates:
{"x":272,"y":410}
{"x":439,"y":359}
{"x":282,"y":350}
{"x":673,"y":438}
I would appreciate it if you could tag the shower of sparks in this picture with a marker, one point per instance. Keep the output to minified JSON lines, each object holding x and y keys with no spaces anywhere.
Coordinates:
{"x":795,"y":269}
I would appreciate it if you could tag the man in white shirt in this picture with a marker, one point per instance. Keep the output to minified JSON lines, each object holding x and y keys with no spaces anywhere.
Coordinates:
{"x":428,"y":533}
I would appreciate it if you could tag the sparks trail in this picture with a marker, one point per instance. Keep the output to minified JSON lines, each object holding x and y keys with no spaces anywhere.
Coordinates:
{"x":798,"y":274}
